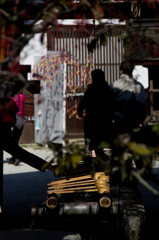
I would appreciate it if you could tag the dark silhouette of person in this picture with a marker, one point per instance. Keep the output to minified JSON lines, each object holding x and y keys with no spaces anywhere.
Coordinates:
{"x":97,"y":103}
{"x":130,"y":109}
{"x":130,"y":100}
{"x":16,"y":131}
{"x":8,"y":110}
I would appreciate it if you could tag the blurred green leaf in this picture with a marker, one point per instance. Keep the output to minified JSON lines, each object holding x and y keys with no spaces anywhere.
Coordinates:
{"x":15,"y":18}
{"x":44,"y":166}
{"x":155,"y":128}
{"x":2,"y":1}
{"x":124,"y":173}
{"x":75,"y":159}
{"x":140,"y":149}
{"x":88,"y":140}
{"x":122,"y":35}
{"x":103,"y":38}
{"x":127,"y":41}
{"x":55,"y":146}
{"x":104,"y":145}
{"x":107,"y":171}
{"x":68,"y":161}
{"x":59,"y":170}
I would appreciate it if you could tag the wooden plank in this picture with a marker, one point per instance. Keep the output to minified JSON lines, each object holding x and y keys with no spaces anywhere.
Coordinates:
{"x":72,"y":185}
{"x":72,"y":180}
{"x":77,"y":188}
{"x":100,"y":190}
{"x":60,"y":192}
{"x":69,"y":183}
{"x":153,"y":90}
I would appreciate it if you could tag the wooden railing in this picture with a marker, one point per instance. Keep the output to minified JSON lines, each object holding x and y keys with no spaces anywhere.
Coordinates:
{"x":29,"y":108}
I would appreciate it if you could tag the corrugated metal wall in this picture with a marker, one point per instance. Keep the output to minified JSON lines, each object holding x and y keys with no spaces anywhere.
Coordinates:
{"x":73,"y":41}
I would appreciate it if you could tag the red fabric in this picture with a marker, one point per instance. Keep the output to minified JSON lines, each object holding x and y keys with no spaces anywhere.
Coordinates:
{"x":8,"y":110}
{"x":20,"y":99}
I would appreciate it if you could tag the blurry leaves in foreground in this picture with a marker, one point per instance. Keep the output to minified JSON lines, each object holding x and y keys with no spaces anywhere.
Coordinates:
{"x":120,"y":155}
{"x":66,"y":157}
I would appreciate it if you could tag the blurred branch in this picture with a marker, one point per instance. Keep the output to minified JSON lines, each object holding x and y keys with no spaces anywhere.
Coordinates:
{"x":144,"y":183}
{"x":7,"y":38}
{"x":44,"y":10}
{"x":49,"y":20}
{"x":6,"y":75}
{"x":6,"y":14}
{"x":91,"y":8}
{"x":21,"y":77}
{"x":5,"y":60}
{"x":105,"y":29}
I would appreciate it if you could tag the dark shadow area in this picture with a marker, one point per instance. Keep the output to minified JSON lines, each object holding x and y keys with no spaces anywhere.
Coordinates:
{"x":151,"y":204}
{"x":20,"y":191}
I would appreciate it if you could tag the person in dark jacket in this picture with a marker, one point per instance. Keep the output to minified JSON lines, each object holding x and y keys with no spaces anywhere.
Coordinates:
{"x":130,"y":100}
{"x":8,"y":110}
{"x":97,"y":103}
{"x":19,"y":125}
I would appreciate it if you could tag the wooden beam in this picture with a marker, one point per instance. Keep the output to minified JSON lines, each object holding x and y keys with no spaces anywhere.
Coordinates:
{"x":146,"y":62}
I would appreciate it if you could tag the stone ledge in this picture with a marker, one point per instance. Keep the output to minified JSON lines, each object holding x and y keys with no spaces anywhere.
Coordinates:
{"x":131,"y":224}
{"x":38,"y":235}
{"x":126,"y":225}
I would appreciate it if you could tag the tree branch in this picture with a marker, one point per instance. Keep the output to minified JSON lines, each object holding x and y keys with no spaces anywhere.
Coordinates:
{"x":144,"y":183}
{"x":95,"y":13}
{"x":44,"y":10}
{"x":6,"y":14}
{"x":21,"y":77}
{"x":6,"y":60}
